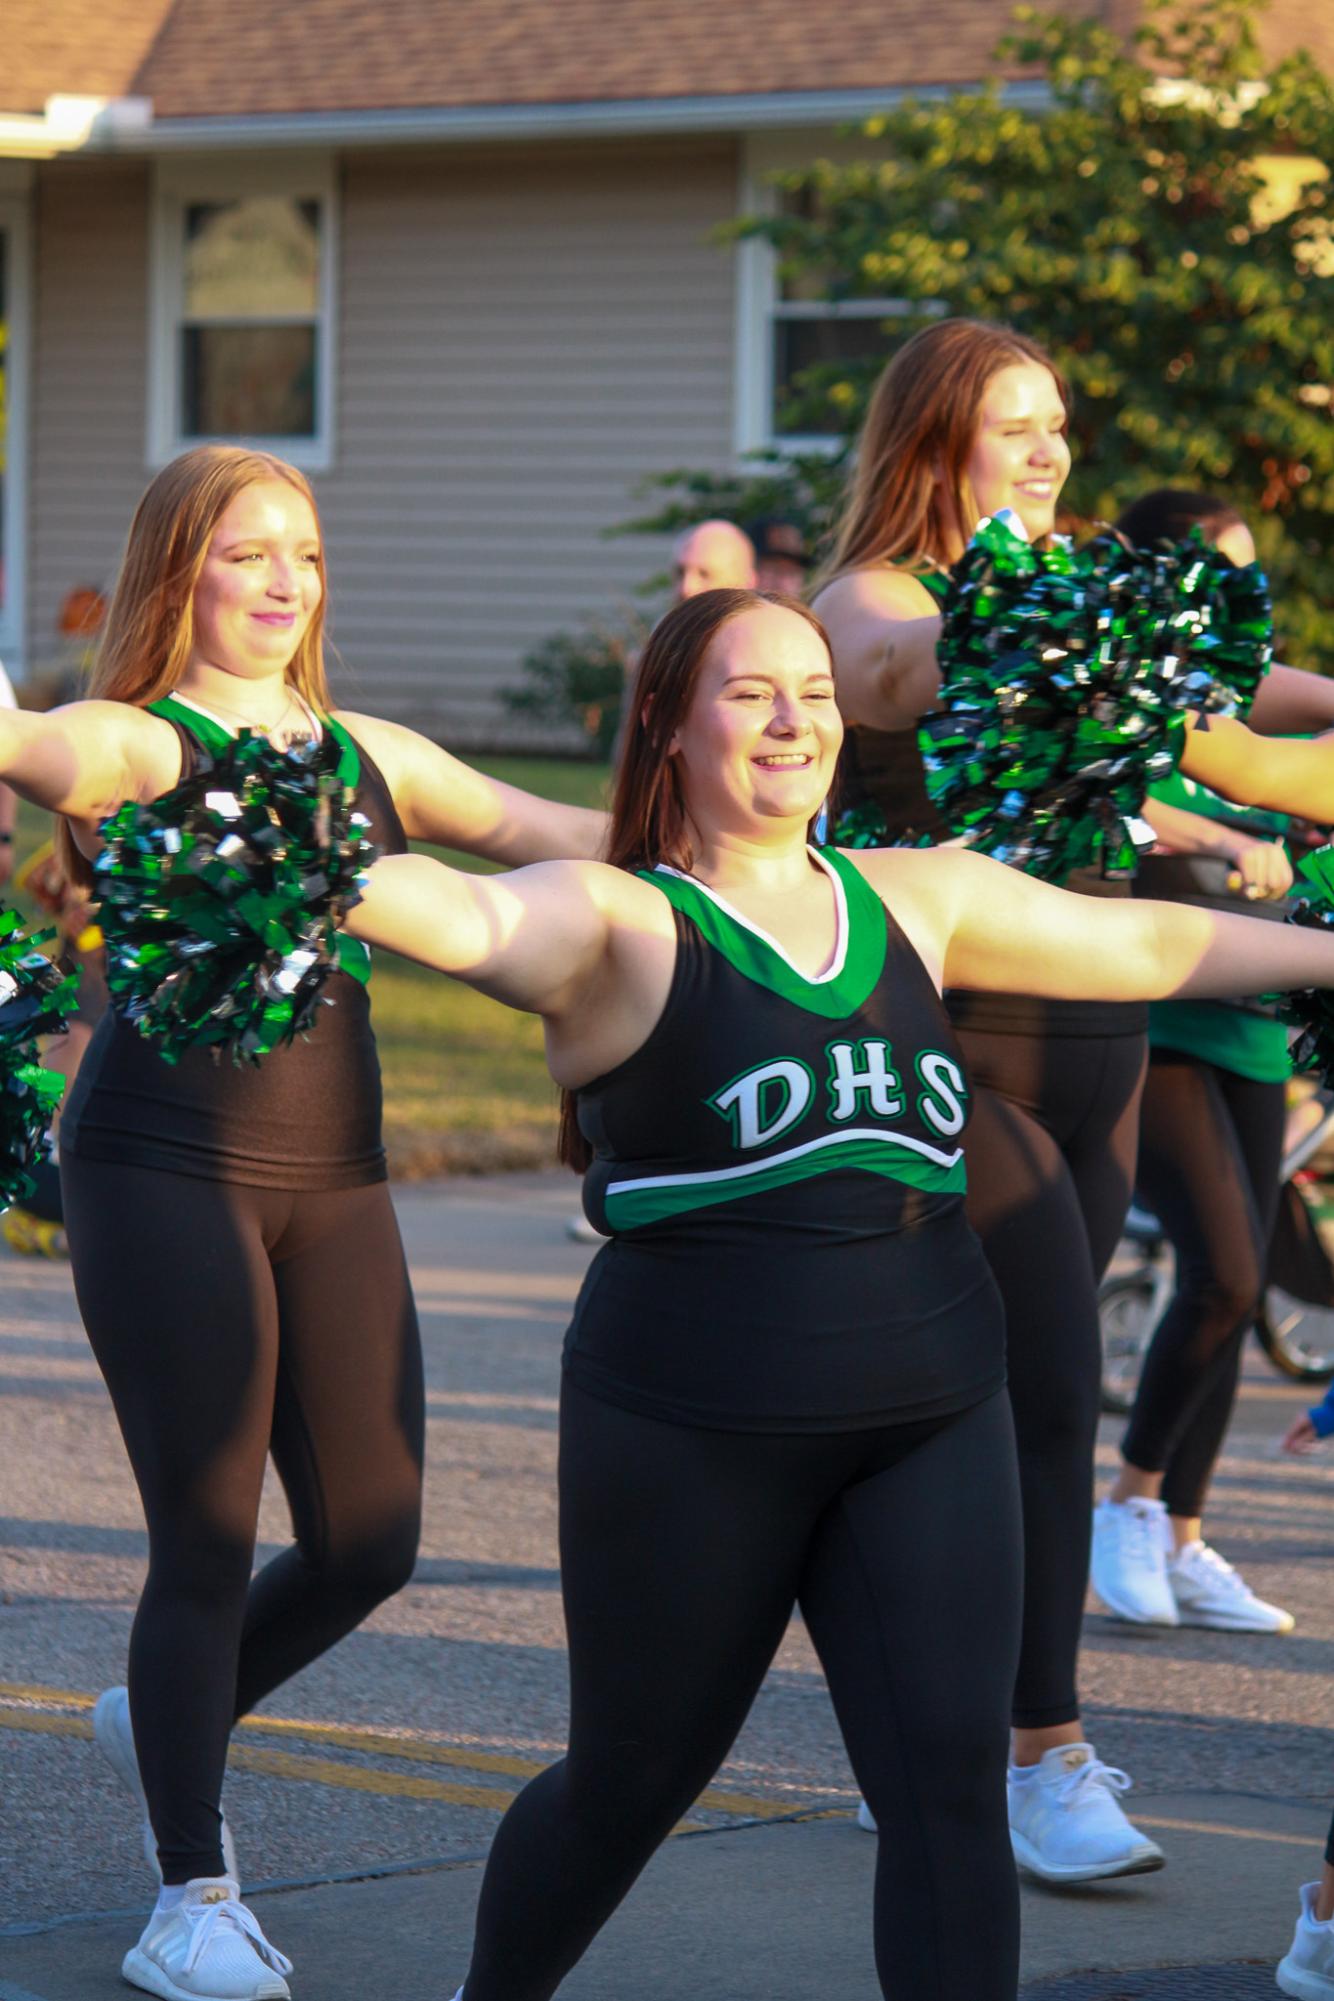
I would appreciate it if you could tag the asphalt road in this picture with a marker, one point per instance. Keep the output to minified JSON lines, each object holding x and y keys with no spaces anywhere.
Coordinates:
{"x":388,"y":1763}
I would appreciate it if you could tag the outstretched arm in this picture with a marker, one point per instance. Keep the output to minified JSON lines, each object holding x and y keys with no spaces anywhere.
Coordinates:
{"x":1281,"y":776}
{"x":88,"y":757}
{"x":533,"y":939}
{"x":443,"y":800}
{"x":1008,"y":933}
{"x":1291,"y":701}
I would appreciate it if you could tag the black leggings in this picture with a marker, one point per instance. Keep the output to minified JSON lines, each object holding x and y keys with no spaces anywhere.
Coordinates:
{"x":683,"y":1552}
{"x":1051,"y":1167}
{"x":1210,"y":1149}
{"x":230,"y":1322}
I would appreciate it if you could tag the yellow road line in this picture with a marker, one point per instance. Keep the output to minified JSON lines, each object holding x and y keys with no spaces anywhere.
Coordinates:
{"x":363,"y":1778}
{"x":1237,"y":1833}
{"x":412,"y":1750}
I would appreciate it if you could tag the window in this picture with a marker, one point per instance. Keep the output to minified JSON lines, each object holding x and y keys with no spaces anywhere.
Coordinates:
{"x":785,"y":328}
{"x":242,"y":320}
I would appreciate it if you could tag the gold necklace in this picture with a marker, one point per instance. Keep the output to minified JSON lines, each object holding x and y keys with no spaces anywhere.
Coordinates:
{"x":271,"y":730}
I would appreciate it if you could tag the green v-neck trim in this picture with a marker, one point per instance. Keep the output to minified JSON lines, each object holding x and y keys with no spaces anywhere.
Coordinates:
{"x":216,"y":738}
{"x":863,"y":938}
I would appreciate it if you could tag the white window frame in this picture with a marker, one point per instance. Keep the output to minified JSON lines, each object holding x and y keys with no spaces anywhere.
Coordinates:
{"x":15,"y":220}
{"x":758,"y":300}
{"x":179,"y":182}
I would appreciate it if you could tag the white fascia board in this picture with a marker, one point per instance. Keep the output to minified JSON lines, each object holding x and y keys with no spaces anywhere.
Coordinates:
{"x":630,"y":118}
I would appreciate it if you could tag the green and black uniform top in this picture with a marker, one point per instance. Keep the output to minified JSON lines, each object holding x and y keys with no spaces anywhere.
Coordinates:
{"x":308,"y":1117}
{"x":1243,"y":1036}
{"x":781,"y":1168}
{"x":882,"y":793}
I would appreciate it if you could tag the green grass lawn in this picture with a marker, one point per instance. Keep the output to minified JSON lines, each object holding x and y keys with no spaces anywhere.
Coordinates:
{"x":466,"y":1087}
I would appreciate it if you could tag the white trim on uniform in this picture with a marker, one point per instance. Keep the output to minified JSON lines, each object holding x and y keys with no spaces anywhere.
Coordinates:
{"x":841,"y":932}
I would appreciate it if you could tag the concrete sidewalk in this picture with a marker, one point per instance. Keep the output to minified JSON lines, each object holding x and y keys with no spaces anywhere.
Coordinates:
{"x":752,"y":1913}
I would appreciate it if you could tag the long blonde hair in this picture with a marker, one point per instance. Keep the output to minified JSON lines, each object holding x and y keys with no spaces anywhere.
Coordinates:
{"x":150,"y":629}
{"x":907,"y":494}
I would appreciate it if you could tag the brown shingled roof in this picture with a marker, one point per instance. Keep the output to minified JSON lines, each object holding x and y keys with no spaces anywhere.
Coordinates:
{"x":89,"y":48}
{"x":196,"y":59}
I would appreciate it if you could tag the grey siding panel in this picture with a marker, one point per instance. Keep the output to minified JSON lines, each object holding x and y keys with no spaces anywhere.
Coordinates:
{"x":524,"y":335}
{"x":86,"y":457}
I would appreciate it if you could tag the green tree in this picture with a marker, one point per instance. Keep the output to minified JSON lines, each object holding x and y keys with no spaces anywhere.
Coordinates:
{"x":1161,"y":224}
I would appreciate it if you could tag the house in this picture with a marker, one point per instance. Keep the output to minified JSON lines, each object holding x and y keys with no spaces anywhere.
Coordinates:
{"x":457,"y":258}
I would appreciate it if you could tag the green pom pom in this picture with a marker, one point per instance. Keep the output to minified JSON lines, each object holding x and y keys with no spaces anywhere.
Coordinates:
{"x":1067,"y":675}
{"x":220,"y":901}
{"x":1311,"y":1012}
{"x":36,"y":999}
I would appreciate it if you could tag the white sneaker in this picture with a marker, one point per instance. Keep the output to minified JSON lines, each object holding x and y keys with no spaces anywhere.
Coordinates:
{"x":583,"y":1232}
{"x":1308,"y":1970}
{"x":1209,"y":1592}
{"x":115,"y":1740}
{"x":1131,"y":1542}
{"x":866,"y":1820}
{"x":210,"y":1948}
{"x":1066,"y":1825}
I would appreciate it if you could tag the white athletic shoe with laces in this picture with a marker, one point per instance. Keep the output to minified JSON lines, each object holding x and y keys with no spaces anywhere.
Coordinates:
{"x":115,"y":1740}
{"x":1066,"y":1824}
{"x":1131,"y":1544}
{"x":210,"y":1948}
{"x":1308,"y":1970}
{"x":1209,"y":1592}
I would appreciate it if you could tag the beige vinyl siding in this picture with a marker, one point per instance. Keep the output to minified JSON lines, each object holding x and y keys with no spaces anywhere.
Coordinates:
{"x":524,"y":334}
{"x":86,"y":440}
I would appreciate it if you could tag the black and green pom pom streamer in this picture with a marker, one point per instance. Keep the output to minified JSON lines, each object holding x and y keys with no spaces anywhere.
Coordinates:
{"x":36,"y":999}
{"x":1067,"y":675}
{"x":1311,"y":1013}
{"x":220,"y":900}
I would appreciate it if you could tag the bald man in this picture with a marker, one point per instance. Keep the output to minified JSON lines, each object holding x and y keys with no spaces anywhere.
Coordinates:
{"x":714,"y":556}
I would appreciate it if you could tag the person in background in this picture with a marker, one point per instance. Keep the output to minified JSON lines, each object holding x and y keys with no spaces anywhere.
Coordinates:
{"x":1211,"y":1140}
{"x":712,"y":556}
{"x":781,"y":562}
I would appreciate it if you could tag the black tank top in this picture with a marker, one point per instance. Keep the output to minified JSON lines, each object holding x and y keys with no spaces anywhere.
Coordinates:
{"x":308,"y":1117}
{"x":781,"y":1166}
{"x":883,"y":769}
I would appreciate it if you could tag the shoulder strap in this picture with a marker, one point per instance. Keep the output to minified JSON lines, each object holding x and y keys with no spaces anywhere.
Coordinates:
{"x":203,"y":729}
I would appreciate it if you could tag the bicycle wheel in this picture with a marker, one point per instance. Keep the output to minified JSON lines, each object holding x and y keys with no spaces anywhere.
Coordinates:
{"x":1298,"y":1338}
{"x":1126,"y":1320}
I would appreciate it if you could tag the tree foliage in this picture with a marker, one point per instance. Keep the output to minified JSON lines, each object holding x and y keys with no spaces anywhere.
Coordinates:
{"x":1161,"y":223}
{"x":575,"y":681}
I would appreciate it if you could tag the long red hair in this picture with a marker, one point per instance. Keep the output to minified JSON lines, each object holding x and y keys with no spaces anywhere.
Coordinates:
{"x":649,"y":822}
{"x":907,"y":496}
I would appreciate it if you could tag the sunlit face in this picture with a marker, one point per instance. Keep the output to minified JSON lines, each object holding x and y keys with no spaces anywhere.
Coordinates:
{"x":761,"y":738}
{"x":260,"y":584}
{"x":1019,"y":456}
{"x":1237,"y":544}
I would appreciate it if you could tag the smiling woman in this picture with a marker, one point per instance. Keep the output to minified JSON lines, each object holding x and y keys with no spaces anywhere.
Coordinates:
{"x":969,"y":419}
{"x":235,"y":1253}
{"x":784,"y":1375}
